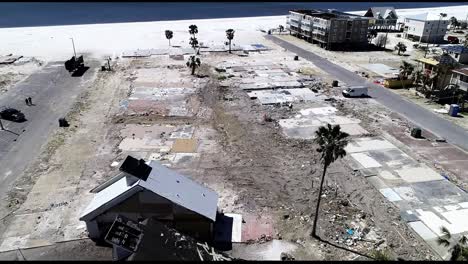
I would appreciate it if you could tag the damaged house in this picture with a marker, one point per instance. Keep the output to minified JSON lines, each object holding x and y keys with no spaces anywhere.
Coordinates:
{"x":141,"y":191}
{"x":382,"y":18}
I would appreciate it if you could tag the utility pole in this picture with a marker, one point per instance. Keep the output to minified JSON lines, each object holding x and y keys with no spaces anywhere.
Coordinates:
{"x":73,"y":43}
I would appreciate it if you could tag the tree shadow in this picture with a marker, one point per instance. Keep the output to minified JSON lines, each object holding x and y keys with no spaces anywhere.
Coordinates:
{"x":343,"y":248}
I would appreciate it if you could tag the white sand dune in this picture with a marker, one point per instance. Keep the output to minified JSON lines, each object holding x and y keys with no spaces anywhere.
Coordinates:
{"x":53,"y":42}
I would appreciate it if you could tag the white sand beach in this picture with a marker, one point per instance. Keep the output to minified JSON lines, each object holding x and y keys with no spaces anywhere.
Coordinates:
{"x":53,"y":42}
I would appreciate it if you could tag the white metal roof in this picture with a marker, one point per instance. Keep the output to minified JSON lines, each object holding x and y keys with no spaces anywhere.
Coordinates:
{"x":426,"y":17}
{"x":162,"y":181}
{"x":108,"y":197}
{"x":181,"y":190}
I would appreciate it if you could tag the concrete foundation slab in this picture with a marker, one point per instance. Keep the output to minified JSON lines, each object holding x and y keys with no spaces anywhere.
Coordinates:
{"x":419,"y":174}
{"x":422,"y":230}
{"x":366,"y":144}
{"x":353,"y":129}
{"x":365,"y":160}
{"x":409,"y":216}
{"x":184,"y":146}
{"x":328,"y":110}
{"x":391,"y":195}
{"x":377,"y":183}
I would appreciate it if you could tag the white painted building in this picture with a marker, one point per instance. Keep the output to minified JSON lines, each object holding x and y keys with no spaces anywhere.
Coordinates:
{"x":426,"y":27}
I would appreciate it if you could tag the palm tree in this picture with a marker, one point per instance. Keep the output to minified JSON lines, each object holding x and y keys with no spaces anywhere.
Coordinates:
{"x":193,"y":29}
{"x":453,"y":22}
{"x":400,"y":47}
{"x":194,"y":43}
{"x":406,"y":69}
{"x":193,"y":63}
{"x":230,"y":36}
{"x":169,"y":35}
{"x":331,"y":141}
{"x":459,"y":250}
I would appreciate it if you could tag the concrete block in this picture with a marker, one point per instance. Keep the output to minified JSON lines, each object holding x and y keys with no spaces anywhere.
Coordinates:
{"x":419,"y":174}
{"x":391,"y":195}
{"x":365,"y":160}
{"x":422,"y":230}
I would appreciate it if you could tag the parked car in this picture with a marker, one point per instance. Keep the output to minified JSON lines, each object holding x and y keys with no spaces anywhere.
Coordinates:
{"x":355,"y":91}
{"x":12,"y":114}
{"x":453,"y":40}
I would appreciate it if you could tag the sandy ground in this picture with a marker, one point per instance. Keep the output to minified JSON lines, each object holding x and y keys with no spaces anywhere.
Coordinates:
{"x":11,"y":74}
{"x":112,"y":39}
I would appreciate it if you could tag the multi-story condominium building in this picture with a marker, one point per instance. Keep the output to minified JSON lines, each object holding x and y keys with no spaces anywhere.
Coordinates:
{"x":426,"y":28}
{"x":330,"y":29}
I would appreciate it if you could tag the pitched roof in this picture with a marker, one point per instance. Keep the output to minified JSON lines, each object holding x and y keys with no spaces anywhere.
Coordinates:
{"x":462,"y":71}
{"x":382,"y":12}
{"x":458,"y":49}
{"x":162,"y":181}
{"x":428,"y":61}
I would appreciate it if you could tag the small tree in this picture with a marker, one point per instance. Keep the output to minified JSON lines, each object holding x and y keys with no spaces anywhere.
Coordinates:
{"x":193,"y":29}
{"x":463,"y":25}
{"x":230,"y":36}
{"x":459,"y":250}
{"x":453,"y":22}
{"x":169,"y":35}
{"x":381,"y":40}
{"x":381,"y":255}
{"x":406,"y":69}
{"x":281,"y":28}
{"x":193,"y":63}
{"x":417,"y":77}
{"x":400,"y":47}
{"x":331,"y":141}
{"x":372,"y":34}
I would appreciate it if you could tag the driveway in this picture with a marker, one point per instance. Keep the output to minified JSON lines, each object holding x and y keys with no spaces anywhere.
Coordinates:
{"x":421,"y":117}
{"x":53,"y":91}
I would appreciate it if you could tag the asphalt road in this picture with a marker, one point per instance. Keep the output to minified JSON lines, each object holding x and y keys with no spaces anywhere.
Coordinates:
{"x":53,"y":91}
{"x":418,"y":115}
